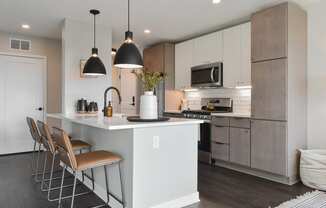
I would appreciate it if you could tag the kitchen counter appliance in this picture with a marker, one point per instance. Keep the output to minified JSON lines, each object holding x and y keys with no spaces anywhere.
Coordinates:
{"x":207,"y":76}
{"x":209,"y":106}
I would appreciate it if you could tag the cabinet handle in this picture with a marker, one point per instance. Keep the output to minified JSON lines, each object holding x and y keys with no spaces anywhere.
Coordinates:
{"x":221,"y":126}
{"x":220,"y":143}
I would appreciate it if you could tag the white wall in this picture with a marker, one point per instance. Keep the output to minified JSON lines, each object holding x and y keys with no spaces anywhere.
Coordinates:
{"x":77,"y":39}
{"x":317,"y":75}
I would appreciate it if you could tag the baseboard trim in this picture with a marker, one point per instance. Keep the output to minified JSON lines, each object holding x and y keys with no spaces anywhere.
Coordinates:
{"x":180,"y":202}
{"x":269,"y":176}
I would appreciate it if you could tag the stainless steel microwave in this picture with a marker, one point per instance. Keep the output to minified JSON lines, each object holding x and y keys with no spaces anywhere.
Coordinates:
{"x":207,"y":76}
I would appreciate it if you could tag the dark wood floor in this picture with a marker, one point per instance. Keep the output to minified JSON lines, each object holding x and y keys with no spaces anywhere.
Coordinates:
{"x":218,"y":187}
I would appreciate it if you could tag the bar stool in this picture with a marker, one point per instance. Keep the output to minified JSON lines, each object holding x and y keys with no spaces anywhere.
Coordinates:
{"x":51,"y":147}
{"x":86,"y":161}
{"x":37,"y":141}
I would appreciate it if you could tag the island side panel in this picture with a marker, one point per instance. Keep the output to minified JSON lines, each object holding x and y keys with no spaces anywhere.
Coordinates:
{"x":166,"y":176}
{"x":118,"y":141}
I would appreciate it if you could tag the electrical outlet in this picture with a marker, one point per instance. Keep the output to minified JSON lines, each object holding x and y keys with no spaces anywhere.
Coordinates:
{"x":156,"y":142}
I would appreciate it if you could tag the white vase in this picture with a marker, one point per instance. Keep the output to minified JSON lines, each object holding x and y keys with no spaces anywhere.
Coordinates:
{"x":148,"y":106}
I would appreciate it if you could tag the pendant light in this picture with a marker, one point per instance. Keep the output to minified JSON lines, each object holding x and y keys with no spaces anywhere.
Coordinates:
{"x":128,"y":56}
{"x":94,"y":65}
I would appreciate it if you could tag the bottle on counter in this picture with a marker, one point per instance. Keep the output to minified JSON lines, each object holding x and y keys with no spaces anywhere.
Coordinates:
{"x":109,"y":110}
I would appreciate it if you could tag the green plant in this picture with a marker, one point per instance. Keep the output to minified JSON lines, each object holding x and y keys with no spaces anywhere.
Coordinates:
{"x":149,"y":79}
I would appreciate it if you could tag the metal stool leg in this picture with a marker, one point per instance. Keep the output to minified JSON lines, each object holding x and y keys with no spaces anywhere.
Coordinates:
{"x":33,"y":157}
{"x":49,"y":187}
{"x":108,"y":190}
{"x":44,"y":168}
{"x":37,"y":163}
{"x":107,"y":184}
{"x":63,"y":177}
{"x":73,"y":190}
{"x":121,"y":185}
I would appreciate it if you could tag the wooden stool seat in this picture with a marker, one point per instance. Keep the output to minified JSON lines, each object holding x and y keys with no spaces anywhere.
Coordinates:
{"x":78,"y":144}
{"x":96,"y":159}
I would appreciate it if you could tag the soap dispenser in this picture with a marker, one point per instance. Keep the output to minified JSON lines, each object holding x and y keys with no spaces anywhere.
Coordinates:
{"x":109,"y":110}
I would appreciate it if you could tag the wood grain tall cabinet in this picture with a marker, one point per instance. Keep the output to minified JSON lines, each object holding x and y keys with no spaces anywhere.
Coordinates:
{"x":160,"y":58}
{"x":279,"y":63}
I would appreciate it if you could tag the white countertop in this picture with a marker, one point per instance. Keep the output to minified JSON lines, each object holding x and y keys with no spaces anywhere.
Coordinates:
{"x":119,"y":122}
{"x":237,"y":115}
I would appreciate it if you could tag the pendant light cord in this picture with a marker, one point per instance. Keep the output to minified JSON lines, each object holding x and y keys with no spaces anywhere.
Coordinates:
{"x":128,"y":15}
{"x":94,"y":32}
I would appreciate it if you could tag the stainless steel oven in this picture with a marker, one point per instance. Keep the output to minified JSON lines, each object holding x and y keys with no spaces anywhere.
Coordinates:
{"x":207,"y":76}
{"x":204,"y":144}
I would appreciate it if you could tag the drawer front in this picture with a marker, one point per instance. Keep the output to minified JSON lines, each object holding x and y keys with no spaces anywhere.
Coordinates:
{"x":220,"y":121}
{"x":220,"y":134}
{"x":220,"y":151}
{"x":240,"y":122}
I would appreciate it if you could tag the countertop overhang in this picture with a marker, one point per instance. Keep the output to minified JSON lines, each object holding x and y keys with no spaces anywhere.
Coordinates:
{"x":119,"y":122}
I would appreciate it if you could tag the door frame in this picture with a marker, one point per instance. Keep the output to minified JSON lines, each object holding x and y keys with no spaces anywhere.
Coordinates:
{"x":45,"y":72}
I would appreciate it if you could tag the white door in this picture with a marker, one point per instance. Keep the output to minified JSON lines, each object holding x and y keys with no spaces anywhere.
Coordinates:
{"x":129,"y":88}
{"x":21,"y":94}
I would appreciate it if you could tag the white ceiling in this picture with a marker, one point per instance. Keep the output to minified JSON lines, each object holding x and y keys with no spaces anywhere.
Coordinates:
{"x":171,"y":20}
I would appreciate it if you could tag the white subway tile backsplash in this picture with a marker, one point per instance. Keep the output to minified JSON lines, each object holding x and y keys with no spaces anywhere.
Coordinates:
{"x":241,"y":98}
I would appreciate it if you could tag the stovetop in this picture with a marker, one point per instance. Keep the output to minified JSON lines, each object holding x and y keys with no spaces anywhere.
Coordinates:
{"x":201,"y":114}
{"x":209,"y":106}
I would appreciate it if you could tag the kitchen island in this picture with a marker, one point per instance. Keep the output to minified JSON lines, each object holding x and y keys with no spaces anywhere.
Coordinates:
{"x":159,"y":165}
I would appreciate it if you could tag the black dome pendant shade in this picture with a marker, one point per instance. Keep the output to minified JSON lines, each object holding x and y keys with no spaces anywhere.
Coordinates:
{"x":94,"y":66}
{"x":128,"y":55}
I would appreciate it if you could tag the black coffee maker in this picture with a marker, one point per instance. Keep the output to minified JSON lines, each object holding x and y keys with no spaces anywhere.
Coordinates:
{"x":82,"y":106}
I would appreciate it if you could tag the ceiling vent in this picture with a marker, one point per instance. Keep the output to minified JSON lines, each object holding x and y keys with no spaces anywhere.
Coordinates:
{"x":19,"y":44}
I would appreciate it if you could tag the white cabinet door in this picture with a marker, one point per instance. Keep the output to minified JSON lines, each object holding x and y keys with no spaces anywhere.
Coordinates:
{"x":208,"y":49}
{"x":245,"y":70}
{"x":22,"y":93}
{"x":231,"y":56}
{"x":237,"y":56}
{"x":183,"y":64}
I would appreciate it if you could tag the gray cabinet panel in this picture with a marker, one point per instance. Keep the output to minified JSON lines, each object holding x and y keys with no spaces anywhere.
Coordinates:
{"x":220,"y":121}
{"x":269,"y":90}
{"x":240,"y":146}
{"x":220,"y":134}
{"x":220,"y":151}
{"x":240,"y":122}
{"x":269,"y":33}
{"x":268,"y":146}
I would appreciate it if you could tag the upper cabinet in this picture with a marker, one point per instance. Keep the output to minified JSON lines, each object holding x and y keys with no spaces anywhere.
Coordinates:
{"x":160,"y":58}
{"x":236,"y":56}
{"x":208,"y":49}
{"x":231,"y":46}
{"x":245,"y":70}
{"x":183,"y":64}
{"x":232,"y":56}
{"x":154,"y":58}
{"x":269,"y":33}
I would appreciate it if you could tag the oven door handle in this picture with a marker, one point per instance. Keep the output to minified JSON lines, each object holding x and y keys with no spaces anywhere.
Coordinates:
{"x":212,"y":75}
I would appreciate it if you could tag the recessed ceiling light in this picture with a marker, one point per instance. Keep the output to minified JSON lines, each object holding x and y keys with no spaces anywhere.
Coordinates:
{"x":216,"y":1}
{"x":147,"y":31}
{"x":26,"y":26}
